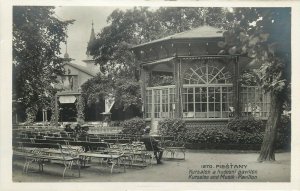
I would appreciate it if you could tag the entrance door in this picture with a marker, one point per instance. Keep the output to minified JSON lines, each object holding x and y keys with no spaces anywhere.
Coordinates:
{"x":161,"y":103}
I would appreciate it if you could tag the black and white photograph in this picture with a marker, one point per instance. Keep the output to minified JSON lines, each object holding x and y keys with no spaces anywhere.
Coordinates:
{"x":151,"y":94}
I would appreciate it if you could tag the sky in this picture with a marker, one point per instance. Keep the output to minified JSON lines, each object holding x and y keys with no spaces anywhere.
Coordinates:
{"x":79,"y":32}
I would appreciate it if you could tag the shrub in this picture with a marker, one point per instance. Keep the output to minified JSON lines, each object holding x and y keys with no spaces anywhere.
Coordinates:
{"x":249,"y":125}
{"x":250,"y":138}
{"x":284,"y":133}
{"x":172,"y":127}
{"x":285,"y":124}
{"x":210,"y":135}
{"x":133,"y":126}
{"x":241,"y":133}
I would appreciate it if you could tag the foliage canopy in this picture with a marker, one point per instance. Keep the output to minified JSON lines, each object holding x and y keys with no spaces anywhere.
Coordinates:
{"x":37,"y":35}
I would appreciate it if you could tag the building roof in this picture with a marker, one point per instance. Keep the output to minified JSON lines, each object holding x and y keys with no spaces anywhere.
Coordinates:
{"x":200,"y":32}
{"x":158,"y":61}
{"x":84,"y":69}
{"x":91,"y":41}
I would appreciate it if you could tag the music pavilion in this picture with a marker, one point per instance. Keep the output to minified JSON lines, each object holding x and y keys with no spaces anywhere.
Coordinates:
{"x":183,"y":76}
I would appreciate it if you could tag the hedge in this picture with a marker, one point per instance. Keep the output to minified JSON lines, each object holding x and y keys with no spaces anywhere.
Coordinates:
{"x":243,"y":133}
{"x":172,"y":127}
{"x":134,"y":126}
{"x":249,"y":125}
{"x":239,"y":133}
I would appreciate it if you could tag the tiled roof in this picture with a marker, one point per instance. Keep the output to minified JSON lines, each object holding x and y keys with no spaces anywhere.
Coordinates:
{"x":200,"y":32}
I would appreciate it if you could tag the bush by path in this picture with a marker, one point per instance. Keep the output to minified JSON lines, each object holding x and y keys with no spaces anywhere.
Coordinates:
{"x":241,"y":134}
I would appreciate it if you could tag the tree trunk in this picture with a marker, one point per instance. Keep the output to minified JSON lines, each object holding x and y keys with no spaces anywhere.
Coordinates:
{"x":267,"y":152}
{"x":80,"y":109}
{"x":53,"y":116}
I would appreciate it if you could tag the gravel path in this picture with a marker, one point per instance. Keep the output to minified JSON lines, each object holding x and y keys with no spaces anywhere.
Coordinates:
{"x":199,"y":166}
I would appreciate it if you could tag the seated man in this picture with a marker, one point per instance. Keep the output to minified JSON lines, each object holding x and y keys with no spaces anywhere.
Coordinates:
{"x":152,"y":145}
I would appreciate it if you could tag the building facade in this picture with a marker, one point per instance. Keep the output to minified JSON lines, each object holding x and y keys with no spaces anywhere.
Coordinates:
{"x":68,"y":99}
{"x":184,"y":76}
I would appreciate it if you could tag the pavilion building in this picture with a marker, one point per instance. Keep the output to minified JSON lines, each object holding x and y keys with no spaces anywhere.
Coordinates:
{"x":184,"y":76}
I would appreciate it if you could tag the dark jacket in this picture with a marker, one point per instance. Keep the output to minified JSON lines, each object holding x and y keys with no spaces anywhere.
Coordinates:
{"x":151,"y":143}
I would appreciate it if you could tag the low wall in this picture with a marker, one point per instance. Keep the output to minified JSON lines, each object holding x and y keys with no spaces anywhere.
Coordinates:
{"x":204,"y":146}
{"x":255,"y":147}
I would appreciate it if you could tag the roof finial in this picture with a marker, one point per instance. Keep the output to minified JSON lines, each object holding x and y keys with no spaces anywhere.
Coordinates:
{"x":67,"y":46}
{"x":92,"y":24}
{"x":66,"y":54}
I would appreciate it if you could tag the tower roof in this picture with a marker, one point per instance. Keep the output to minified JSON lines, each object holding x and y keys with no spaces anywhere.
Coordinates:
{"x":92,"y":40}
{"x":66,"y":55}
{"x":92,"y":36}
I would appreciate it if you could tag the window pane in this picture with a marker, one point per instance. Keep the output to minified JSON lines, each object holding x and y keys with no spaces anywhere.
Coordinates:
{"x":204,"y":107}
{"x":197,"y":107}
{"x":217,"y":107}
{"x":217,"y":97}
{"x":190,"y":98}
{"x":211,"y":107}
{"x":190,"y":107}
{"x":203,"y":98}
{"x":184,"y":97}
{"x":211,"y":97}
{"x":197,"y":97}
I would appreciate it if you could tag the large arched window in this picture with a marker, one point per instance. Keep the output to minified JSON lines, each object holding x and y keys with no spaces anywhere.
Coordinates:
{"x":207,"y":91}
{"x":208,"y":72}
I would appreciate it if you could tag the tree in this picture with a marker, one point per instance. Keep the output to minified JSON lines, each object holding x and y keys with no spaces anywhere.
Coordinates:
{"x":97,"y":88}
{"x":264,"y":35}
{"x":37,"y":35}
{"x":126,"y":91}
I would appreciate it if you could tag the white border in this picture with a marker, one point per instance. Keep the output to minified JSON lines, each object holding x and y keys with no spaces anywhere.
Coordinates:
{"x":5,"y":101}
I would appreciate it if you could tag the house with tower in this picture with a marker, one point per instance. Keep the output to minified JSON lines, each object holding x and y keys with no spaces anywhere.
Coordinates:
{"x":68,"y":100}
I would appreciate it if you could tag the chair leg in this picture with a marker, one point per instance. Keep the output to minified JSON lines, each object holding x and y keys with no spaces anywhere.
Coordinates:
{"x":151,"y":158}
{"x":28,"y":164}
{"x":24,"y":167}
{"x":112,"y":167}
{"x":78,"y":166}
{"x":123,"y":163}
{"x":64,"y":172}
{"x":67,"y":166}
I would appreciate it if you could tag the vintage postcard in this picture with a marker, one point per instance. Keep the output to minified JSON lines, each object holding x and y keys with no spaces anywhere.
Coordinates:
{"x":149,"y":95}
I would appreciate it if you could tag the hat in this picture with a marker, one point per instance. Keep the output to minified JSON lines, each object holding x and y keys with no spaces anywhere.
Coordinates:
{"x":147,"y":130}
